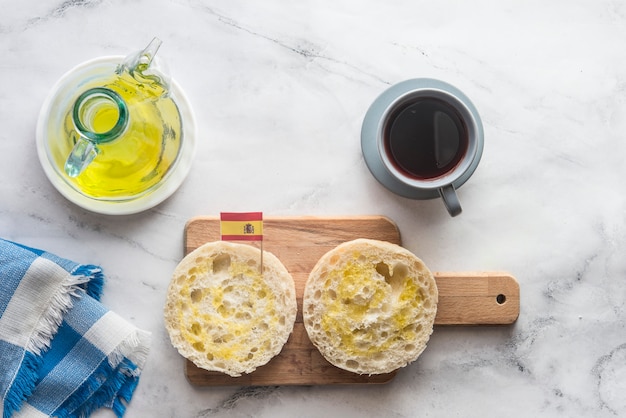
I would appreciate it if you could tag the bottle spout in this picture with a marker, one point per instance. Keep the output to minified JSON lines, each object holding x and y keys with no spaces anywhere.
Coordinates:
{"x":148,"y":53}
{"x":143,"y":66}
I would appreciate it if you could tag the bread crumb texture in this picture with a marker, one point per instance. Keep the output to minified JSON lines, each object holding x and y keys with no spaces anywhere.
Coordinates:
{"x":223,"y":314}
{"x":369,"y":306}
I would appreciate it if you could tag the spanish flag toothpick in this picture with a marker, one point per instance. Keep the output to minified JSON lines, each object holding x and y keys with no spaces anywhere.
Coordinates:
{"x":242,"y":226}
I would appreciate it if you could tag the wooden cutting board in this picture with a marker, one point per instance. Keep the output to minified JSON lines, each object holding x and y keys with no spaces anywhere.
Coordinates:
{"x":489,"y":298}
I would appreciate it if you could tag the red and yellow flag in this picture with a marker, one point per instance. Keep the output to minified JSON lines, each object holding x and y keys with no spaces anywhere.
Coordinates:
{"x":241,"y":226}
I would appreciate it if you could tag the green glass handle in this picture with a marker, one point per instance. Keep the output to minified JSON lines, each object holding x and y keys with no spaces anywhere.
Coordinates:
{"x":81,"y":156}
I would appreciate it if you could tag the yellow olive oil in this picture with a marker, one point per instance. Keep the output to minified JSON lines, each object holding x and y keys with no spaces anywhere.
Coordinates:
{"x":104,"y":117}
{"x":137,"y":160}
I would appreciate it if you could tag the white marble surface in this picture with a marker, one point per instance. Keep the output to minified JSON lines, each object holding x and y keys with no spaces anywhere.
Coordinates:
{"x":280,"y":89}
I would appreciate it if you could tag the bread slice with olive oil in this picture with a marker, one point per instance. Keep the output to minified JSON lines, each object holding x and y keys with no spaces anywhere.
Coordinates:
{"x":369,"y":306}
{"x":223,"y":314}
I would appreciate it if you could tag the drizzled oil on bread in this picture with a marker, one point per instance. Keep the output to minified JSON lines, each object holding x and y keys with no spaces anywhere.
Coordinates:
{"x":223,"y":314}
{"x":369,"y":306}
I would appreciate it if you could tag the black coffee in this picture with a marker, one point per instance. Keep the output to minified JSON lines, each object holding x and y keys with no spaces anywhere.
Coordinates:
{"x":426,"y":138}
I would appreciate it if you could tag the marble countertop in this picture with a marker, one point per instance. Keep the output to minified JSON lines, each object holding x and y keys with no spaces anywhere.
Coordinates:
{"x":279,"y":90}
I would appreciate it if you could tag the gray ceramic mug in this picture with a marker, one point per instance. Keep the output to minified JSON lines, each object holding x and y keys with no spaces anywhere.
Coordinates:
{"x":423,"y":139}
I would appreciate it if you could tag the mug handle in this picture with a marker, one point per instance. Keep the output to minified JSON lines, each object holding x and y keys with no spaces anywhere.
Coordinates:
{"x":450,"y":200}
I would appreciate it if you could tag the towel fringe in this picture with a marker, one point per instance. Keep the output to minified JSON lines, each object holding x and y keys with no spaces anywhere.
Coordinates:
{"x":112,"y":384}
{"x":135,"y":347}
{"x":23,"y":384}
{"x":95,"y":279}
{"x":110,"y":387}
{"x":52,"y":318}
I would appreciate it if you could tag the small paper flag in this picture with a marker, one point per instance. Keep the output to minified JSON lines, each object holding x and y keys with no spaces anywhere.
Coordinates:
{"x":241,"y":226}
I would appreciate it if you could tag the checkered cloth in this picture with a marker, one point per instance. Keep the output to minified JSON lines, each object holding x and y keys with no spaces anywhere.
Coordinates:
{"x":62,"y":353}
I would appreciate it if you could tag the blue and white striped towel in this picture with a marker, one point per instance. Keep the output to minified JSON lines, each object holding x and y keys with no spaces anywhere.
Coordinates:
{"x":62,"y":353}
